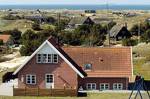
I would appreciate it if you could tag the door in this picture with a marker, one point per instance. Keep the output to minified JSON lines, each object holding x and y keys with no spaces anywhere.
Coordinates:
{"x":49,"y":79}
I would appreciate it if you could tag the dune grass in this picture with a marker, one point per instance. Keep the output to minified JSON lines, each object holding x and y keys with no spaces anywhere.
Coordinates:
{"x":141,"y":60}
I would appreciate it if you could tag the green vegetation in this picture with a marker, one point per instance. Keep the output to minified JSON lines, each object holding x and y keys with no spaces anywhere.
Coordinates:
{"x":36,"y":26}
{"x":1,"y":42}
{"x":11,"y":17}
{"x":146,"y":36}
{"x":15,"y":35}
{"x":90,"y":96}
{"x":141,"y":60}
{"x":129,"y":42}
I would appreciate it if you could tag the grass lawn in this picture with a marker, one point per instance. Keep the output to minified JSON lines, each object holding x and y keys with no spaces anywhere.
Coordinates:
{"x":90,"y":96}
{"x":141,"y":60}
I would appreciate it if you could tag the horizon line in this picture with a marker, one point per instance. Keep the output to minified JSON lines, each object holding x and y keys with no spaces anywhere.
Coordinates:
{"x":81,"y":4}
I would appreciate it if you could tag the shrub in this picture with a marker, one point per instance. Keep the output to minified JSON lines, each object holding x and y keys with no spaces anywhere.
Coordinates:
{"x":1,"y":42}
{"x":36,"y":26}
{"x":129,"y":42}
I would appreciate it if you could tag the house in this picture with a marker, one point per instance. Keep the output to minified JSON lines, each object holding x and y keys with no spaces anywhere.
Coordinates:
{"x":82,"y":68}
{"x":104,"y":21}
{"x":119,"y":32}
{"x":6,"y":39}
{"x":77,"y":21}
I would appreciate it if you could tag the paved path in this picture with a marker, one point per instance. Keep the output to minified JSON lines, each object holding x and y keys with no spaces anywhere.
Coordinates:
{"x":6,"y":89}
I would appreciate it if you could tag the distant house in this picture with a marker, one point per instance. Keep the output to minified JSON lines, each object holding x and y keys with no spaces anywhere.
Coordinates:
{"x":81,"y":68}
{"x":119,"y":32}
{"x":90,"y":11}
{"x":147,"y":20}
{"x":6,"y":39}
{"x":102,"y":21}
{"x":77,"y":21}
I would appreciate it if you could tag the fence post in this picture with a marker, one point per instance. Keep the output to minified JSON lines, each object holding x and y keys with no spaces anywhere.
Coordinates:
{"x":38,"y":91}
{"x":64,"y":90}
{"x":13,"y":89}
{"x":25,"y":91}
{"x":51,"y":93}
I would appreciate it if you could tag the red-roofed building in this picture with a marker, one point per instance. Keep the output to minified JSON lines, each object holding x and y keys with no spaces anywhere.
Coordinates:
{"x":6,"y":39}
{"x":87,"y":68}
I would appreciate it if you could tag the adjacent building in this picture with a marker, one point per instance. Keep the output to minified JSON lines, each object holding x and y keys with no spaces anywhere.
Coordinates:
{"x":77,"y":21}
{"x":6,"y":39}
{"x":119,"y":32}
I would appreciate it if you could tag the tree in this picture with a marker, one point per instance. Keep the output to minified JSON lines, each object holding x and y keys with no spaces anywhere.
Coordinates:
{"x":129,"y":42}
{"x":51,"y":20}
{"x":1,"y":42}
{"x":36,"y":26}
{"x":31,"y":41}
{"x":15,"y":35}
{"x":146,"y":36}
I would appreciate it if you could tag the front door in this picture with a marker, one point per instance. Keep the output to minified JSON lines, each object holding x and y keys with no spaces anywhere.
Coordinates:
{"x":49,"y":79}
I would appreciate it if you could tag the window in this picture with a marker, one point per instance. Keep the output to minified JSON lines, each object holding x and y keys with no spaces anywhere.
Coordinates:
{"x":39,"y":58}
{"x":44,"y":58}
{"x":88,"y":66}
{"x":49,"y":78}
{"x":55,"y":58}
{"x":47,"y":58}
{"x":104,"y":86}
{"x":91,"y":86}
{"x":117,"y":86}
{"x":30,"y":79}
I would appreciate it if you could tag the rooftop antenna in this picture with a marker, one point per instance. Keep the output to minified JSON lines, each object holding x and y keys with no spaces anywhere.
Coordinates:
{"x":108,"y":24}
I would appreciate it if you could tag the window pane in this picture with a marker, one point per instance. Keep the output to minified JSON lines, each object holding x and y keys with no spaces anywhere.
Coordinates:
{"x":44,"y":58}
{"x":49,"y":78}
{"x":39,"y":58}
{"x":55,"y":58}
{"x":49,"y":58}
{"x":88,"y":66}
{"x":31,"y":79}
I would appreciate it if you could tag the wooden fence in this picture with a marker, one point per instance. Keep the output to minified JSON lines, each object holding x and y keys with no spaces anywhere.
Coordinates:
{"x":44,"y":92}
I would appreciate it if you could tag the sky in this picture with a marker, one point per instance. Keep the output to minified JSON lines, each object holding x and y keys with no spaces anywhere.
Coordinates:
{"x":135,"y":2}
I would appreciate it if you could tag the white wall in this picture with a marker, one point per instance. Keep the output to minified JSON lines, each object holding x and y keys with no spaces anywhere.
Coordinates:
{"x":46,"y":50}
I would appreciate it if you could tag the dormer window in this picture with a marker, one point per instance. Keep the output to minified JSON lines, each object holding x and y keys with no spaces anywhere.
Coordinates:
{"x":47,"y":58}
{"x":88,"y":66}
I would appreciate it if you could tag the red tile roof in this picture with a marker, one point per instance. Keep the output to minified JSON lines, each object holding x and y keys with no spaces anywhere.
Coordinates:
{"x":106,"y":62}
{"x":5,"y":38}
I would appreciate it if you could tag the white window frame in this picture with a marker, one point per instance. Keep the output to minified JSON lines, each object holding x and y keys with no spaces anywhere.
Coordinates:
{"x":104,"y":86}
{"x":53,"y":58}
{"x":30,"y":75}
{"x":47,"y":61}
{"x":37,"y":56}
{"x":46,"y":77}
{"x":90,"y":86}
{"x":117,"y":84}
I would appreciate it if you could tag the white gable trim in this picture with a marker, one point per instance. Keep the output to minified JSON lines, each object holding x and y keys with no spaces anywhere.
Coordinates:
{"x":28,"y":59}
{"x":68,"y":62}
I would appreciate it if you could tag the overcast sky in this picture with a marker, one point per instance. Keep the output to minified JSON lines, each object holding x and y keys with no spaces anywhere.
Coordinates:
{"x":136,"y":2}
